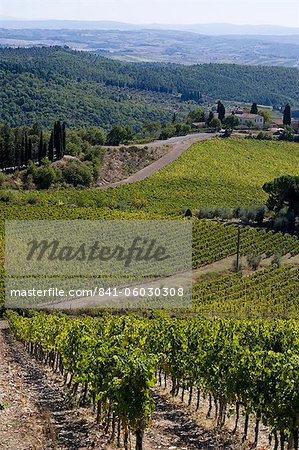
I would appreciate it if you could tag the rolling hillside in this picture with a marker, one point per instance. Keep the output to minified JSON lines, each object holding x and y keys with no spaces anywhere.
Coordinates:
{"x":157,"y":45}
{"x":41,"y":84}
{"x":214,"y":173}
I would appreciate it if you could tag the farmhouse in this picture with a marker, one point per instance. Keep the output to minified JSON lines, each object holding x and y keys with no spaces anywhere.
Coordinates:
{"x":245,"y":118}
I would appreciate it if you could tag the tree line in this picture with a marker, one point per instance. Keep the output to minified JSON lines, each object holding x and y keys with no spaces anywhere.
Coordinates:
{"x":20,"y":145}
{"x":52,"y":80}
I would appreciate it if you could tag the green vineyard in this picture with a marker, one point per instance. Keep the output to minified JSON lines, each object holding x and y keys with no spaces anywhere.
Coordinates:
{"x":273,"y":292}
{"x":212,"y":241}
{"x":211,"y":173}
{"x":236,"y":349}
{"x":250,"y":366}
{"x":149,"y":291}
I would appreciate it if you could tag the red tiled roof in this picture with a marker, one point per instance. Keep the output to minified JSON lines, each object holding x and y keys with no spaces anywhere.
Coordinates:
{"x":277,"y":121}
{"x":249,"y":116}
{"x":198,"y":124}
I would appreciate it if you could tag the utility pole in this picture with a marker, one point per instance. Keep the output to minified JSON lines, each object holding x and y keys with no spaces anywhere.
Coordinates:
{"x":238,"y":246}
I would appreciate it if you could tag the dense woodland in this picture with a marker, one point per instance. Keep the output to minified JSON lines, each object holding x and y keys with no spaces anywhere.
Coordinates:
{"x":41,"y":84}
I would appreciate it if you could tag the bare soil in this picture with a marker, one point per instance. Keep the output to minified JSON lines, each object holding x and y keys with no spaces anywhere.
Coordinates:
{"x":116,"y":174}
{"x":120,"y":163}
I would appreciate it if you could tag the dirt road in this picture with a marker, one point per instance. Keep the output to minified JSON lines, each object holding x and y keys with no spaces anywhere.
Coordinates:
{"x":178,"y":145}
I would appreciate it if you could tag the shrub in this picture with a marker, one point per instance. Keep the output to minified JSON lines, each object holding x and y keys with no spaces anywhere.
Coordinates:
{"x":285,"y":221}
{"x":122,"y":206}
{"x":263,"y":136}
{"x":33,"y":200}
{"x":276,"y":260}
{"x":231,"y":122}
{"x":260,"y":214}
{"x":186,"y":212}
{"x":224,"y":213}
{"x":182,"y":129}
{"x":215,"y":124}
{"x":237,"y":210}
{"x":119,"y":135}
{"x":138,"y":203}
{"x":7,"y":197}
{"x":2,"y":178}
{"x":44,"y":177}
{"x":93,"y":135}
{"x":247,"y":216}
{"x":287,"y":134}
{"x":77,"y":173}
{"x":206,"y":213}
{"x":254,"y":261}
{"x":167,"y":132}
{"x":252,"y":214}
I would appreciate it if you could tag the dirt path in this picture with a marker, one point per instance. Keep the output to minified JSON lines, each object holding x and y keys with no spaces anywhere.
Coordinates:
{"x":174,"y":429}
{"x":36,"y":414}
{"x":179,"y":426}
{"x":178,"y":146}
{"x":21,"y":425}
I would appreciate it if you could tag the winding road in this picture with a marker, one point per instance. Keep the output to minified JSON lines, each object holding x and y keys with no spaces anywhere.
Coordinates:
{"x":179,"y":144}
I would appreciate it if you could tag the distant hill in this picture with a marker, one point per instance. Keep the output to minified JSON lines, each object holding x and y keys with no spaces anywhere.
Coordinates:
{"x":209,"y":28}
{"x":230,"y":29}
{"x":41,"y":84}
{"x":155,"y":45}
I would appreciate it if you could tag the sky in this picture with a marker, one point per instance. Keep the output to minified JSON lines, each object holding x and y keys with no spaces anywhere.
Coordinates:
{"x":253,"y":12}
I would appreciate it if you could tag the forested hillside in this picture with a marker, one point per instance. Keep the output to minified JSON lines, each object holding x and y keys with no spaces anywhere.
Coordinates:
{"x":41,"y":84}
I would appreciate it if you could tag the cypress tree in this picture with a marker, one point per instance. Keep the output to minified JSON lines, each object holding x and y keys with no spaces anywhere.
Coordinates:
{"x":9,"y":146}
{"x":287,"y":117}
{"x":22,"y":155}
{"x":29,"y":149}
{"x":45,"y":150}
{"x":210,"y":118}
{"x":17,"y":149}
{"x":19,"y":146}
{"x":40,"y":150}
{"x":55,"y":138}
{"x":58,"y":141}
{"x":2,"y":151}
{"x":254,"y":109}
{"x":51,"y":147}
{"x":221,"y":112}
{"x":26,"y":149}
{"x":63,"y":138}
